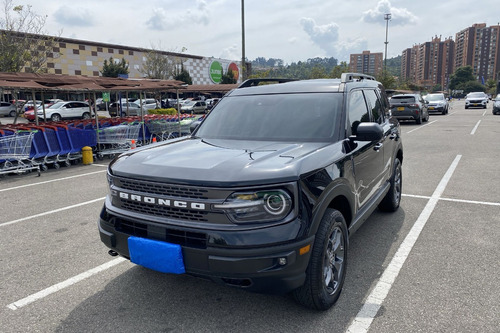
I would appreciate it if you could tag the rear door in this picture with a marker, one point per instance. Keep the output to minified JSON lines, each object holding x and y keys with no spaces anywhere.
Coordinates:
{"x":368,"y":156}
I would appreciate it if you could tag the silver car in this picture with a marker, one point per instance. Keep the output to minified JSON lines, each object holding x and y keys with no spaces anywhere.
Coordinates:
{"x":7,"y":109}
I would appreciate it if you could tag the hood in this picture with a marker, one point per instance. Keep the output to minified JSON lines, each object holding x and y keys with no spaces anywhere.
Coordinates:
{"x":220,"y":163}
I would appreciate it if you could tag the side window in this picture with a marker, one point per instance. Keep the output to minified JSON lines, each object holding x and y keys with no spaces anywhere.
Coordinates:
{"x":358,"y":112}
{"x":375,"y":105}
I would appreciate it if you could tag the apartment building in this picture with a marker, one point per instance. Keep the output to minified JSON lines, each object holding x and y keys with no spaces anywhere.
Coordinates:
{"x":366,"y":62}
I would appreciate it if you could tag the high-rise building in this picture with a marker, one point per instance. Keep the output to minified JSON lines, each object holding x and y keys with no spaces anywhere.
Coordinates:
{"x":366,"y":62}
{"x":478,"y":46}
{"x":428,"y":64}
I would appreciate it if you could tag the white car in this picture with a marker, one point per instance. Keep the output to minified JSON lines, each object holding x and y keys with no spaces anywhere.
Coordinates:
{"x":63,"y":110}
{"x":148,"y":103}
{"x":476,"y":99}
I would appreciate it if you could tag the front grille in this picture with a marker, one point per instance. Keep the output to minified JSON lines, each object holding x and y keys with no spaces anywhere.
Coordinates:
{"x":160,"y":189}
{"x":162,"y":211}
{"x":174,"y":236}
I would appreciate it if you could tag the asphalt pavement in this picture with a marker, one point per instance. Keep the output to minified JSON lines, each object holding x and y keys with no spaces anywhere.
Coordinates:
{"x":430,"y":267}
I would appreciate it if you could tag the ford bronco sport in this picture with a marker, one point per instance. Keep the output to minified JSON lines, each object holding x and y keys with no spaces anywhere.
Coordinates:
{"x":265,"y":192}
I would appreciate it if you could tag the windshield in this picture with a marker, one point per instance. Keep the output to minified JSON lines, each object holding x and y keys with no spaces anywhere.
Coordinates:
{"x":57,"y":105}
{"x":434,"y":98}
{"x":476,"y":95}
{"x":403,"y":99}
{"x":279,"y":117}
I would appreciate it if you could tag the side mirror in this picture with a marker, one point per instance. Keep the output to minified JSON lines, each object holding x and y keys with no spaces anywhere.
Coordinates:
{"x":368,"y":132}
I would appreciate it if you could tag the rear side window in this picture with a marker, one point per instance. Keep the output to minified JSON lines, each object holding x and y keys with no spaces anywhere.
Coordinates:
{"x":375,"y":106}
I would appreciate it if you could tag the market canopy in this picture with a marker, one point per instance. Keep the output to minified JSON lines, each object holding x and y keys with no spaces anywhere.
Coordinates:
{"x":57,"y":82}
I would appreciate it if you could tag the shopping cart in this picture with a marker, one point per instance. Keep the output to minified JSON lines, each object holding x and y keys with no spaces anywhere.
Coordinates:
{"x":15,"y":151}
{"x":117,"y":139}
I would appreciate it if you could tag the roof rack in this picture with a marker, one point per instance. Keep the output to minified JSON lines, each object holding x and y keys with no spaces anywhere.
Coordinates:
{"x":351,"y":77}
{"x":256,"y":82}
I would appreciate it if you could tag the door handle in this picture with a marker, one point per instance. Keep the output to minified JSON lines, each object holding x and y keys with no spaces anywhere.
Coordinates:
{"x":378,"y":146}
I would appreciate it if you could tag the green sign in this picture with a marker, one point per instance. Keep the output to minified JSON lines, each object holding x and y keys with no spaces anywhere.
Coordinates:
{"x":215,"y":71}
{"x":105,"y":97}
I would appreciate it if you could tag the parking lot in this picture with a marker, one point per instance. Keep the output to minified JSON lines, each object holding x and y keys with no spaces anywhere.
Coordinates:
{"x":430,"y":267}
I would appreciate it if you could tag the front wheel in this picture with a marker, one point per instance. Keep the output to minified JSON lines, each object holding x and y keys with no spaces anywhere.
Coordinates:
{"x":12,"y":114}
{"x":326,"y":271}
{"x":419,"y":119}
{"x":86,"y":115}
{"x":392,"y":199}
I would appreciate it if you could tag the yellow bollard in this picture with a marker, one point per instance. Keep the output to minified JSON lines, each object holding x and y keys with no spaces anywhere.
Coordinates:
{"x":87,"y":156}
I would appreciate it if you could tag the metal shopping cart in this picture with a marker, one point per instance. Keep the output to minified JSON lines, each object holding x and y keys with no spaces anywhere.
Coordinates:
{"x":117,"y":139}
{"x":15,"y":151}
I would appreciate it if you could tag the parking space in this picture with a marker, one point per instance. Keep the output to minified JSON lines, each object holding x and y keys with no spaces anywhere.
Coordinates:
{"x":57,"y":275}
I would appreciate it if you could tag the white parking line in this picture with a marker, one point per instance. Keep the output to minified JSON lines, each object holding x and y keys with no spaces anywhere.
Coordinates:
{"x":50,"y":212}
{"x":475,"y":128}
{"x":487,"y":203}
{"x":365,"y":316}
{"x":69,"y":282}
{"x":50,"y":181}
{"x":415,"y":129}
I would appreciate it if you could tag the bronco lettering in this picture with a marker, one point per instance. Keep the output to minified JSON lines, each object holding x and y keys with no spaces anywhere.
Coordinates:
{"x":158,"y":201}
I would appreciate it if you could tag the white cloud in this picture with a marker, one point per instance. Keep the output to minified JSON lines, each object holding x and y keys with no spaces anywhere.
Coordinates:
{"x":163,"y":19}
{"x":74,"y":16}
{"x":399,"y":16}
{"x":327,"y":38}
{"x":231,"y":53}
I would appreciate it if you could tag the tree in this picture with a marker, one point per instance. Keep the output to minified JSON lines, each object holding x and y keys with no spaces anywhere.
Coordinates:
{"x":461,"y":76}
{"x":387,"y":80}
{"x":471,"y":86}
{"x":339,"y":69}
{"x":157,"y":65}
{"x":22,"y":44}
{"x":113,"y":68}
{"x":228,"y":78}
{"x":491,"y":84}
{"x":182,"y":75}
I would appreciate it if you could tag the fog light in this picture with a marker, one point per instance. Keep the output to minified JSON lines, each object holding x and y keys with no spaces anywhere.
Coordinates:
{"x":282,"y":261}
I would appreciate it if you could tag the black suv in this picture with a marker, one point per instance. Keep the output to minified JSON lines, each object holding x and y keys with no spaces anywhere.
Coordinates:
{"x":265,"y":192}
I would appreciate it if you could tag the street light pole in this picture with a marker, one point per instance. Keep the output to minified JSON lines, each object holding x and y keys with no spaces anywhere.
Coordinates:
{"x":387,"y":17}
{"x":243,"y":66}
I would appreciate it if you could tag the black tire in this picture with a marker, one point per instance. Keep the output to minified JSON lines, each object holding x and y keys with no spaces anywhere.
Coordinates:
{"x":419,"y":119}
{"x":86,"y":115}
{"x":426,"y":119}
{"x":326,"y":271}
{"x":392,"y":199}
{"x":445,"y":111}
{"x":12,"y":113}
{"x":55,"y":117}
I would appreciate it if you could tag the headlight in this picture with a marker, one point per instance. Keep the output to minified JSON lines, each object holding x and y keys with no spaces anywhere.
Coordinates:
{"x":259,"y":206}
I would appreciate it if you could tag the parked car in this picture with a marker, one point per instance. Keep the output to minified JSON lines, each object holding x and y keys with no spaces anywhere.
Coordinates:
{"x":496,"y":105}
{"x":437,"y":103}
{"x":409,"y":107}
{"x":476,"y":99}
{"x":29,"y":105}
{"x":148,"y":103}
{"x":194,"y":107}
{"x":266,"y":192}
{"x":127,"y":108}
{"x":61,"y":110}
{"x":7,"y":109}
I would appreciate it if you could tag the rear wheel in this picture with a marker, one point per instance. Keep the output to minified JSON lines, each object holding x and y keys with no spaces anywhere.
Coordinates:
{"x":56,"y":117}
{"x":86,"y":115}
{"x":12,"y":113}
{"x":326,"y":271}
{"x":392,"y":199}
{"x":419,"y":118}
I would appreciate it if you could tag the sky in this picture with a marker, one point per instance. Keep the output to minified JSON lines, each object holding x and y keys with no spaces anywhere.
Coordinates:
{"x":291,"y":30}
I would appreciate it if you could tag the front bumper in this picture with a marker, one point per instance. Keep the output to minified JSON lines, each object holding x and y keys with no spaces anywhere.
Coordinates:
{"x":271,"y":268}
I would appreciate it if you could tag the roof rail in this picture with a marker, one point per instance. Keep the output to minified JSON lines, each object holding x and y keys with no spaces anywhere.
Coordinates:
{"x":350,"y":77}
{"x":256,"y":82}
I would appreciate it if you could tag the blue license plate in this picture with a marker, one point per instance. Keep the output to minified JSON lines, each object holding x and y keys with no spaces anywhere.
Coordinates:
{"x":159,"y":256}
